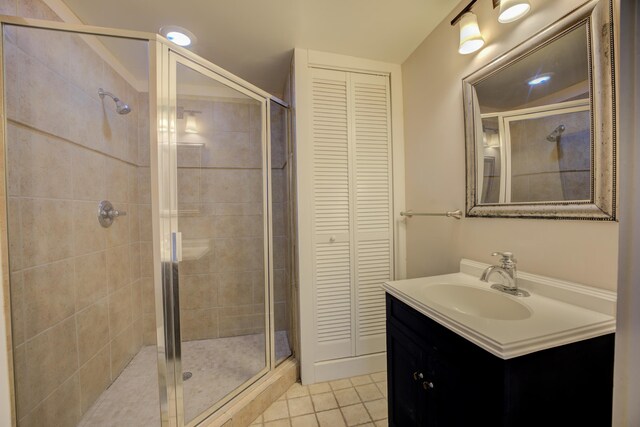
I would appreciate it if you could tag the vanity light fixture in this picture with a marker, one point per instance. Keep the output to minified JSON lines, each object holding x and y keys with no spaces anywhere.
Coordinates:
{"x":178,"y":35}
{"x":189,"y":116}
{"x":470,"y":37}
{"x":191,"y":125}
{"x":512,"y":10}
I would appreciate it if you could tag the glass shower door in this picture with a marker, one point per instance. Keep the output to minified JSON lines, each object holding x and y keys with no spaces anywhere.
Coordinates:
{"x":220,"y":225}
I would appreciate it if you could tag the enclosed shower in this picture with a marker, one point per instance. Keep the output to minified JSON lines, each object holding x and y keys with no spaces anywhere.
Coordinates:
{"x":148,"y":197}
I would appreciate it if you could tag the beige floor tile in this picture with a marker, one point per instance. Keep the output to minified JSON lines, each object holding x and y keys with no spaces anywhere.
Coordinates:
{"x":355,"y":414}
{"x":304,"y":421}
{"x":377,"y":409}
{"x":379,"y":376}
{"x":340,"y":384}
{"x":319,"y":388}
{"x":278,"y":423}
{"x":324,"y":402}
{"x":257,"y":420}
{"x":369,"y":392}
{"x":332,"y":418}
{"x":382,"y":423}
{"x":278,"y":410}
{"x":300,"y":406}
{"x":383,"y":388}
{"x":347,"y":397}
{"x":297,"y":390}
{"x":361,"y":380}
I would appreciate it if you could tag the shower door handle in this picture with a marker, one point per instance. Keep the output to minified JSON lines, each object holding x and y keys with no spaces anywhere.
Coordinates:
{"x":176,"y":246}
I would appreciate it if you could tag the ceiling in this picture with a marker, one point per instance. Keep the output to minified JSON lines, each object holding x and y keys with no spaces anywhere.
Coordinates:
{"x":254,"y":38}
{"x":566,"y":59}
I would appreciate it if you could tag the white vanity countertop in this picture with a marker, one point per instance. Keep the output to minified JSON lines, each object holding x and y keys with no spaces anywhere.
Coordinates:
{"x":561,"y":312}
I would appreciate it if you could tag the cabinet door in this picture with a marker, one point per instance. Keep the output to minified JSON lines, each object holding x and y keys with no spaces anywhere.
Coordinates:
{"x":466,"y":385}
{"x":407,"y":401}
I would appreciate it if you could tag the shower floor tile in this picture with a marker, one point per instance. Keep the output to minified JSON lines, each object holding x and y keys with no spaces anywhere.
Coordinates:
{"x":218,"y":367}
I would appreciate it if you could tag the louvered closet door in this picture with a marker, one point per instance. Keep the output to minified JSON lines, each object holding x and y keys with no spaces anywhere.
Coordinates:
{"x":331,"y":215}
{"x":372,"y":180}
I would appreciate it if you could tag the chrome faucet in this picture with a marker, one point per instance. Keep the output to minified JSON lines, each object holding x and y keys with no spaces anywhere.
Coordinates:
{"x":508,"y":271}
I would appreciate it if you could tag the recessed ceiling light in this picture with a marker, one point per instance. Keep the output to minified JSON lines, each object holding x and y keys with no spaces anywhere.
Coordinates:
{"x":538,"y":80}
{"x":178,"y":35}
{"x":179,"y":38}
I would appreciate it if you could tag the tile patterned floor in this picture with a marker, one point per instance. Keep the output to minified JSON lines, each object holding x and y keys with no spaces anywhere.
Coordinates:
{"x":356,"y":401}
{"x":218,"y":366}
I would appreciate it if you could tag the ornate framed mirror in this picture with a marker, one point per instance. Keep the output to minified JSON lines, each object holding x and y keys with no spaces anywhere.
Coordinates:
{"x":540,"y":124}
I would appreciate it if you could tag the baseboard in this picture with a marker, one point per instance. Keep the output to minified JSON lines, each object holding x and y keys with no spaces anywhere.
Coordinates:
{"x":329,"y":370}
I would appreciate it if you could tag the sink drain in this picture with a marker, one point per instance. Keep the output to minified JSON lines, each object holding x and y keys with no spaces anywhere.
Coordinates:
{"x":186,"y":375}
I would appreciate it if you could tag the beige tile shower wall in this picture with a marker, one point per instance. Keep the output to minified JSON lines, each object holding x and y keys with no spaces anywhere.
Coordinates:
{"x":544,"y":170}
{"x":75,"y":286}
{"x":145,"y":227}
{"x":220,"y":210}
{"x":581,"y":251}
{"x":280,"y":208}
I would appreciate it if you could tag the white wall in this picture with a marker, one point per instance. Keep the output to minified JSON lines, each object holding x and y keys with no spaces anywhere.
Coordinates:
{"x":627,"y":370}
{"x":584,"y":252}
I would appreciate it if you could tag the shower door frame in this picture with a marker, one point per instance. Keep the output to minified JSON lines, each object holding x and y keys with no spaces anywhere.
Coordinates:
{"x":164,"y":267}
{"x":171,"y":228}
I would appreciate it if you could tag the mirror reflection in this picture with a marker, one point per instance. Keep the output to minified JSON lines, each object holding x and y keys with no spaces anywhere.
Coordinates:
{"x":534,"y":136}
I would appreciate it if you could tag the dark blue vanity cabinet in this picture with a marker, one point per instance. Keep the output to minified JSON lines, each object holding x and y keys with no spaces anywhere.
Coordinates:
{"x":438,"y":378}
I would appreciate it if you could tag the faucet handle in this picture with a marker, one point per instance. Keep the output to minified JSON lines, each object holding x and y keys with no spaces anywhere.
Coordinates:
{"x":506,"y":257}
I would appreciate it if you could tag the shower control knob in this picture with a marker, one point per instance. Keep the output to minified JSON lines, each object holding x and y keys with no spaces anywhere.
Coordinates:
{"x":114,"y":213}
{"x":107,"y":213}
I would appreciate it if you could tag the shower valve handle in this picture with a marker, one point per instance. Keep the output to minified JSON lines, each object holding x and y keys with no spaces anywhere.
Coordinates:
{"x":114,"y":213}
{"x":107,"y":213}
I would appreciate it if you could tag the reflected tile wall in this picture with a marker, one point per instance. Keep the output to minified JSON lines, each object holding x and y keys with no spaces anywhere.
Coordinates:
{"x":76,"y":287}
{"x":220,"y":203}
{"x":551,"y":171}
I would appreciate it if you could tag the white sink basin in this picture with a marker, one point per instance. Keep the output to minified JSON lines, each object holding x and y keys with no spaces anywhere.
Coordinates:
{"x":477,"y":302}
{"x":556,"y":312}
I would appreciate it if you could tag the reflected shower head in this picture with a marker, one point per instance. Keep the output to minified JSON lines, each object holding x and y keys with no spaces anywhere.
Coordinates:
{"x":555,"y":135}
{"x":121,"y":107}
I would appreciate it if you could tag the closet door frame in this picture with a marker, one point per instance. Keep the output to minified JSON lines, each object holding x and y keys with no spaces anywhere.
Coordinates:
{"x":304,"y":60}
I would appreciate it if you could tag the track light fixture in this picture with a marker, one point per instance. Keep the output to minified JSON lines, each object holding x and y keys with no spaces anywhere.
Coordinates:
{"x":512,"y":10}
{"x":470,"y":36}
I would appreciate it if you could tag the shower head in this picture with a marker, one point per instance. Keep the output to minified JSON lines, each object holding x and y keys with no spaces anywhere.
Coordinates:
{"x":121,"y":107}
{"x":555,"y":135}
